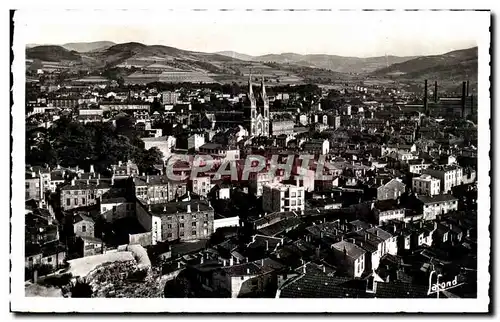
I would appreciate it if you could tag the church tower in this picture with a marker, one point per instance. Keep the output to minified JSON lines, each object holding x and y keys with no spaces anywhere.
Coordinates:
{"x":253,"y":107}
{"x":265,"y":110}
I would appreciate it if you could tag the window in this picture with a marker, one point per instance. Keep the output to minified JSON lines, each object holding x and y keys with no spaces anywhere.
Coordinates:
{"x":182,"y":218}
{"x":83,"y":200}
{"x":193,"y":224}
{"x":84,"y":228}
{"x":114,"y":208}
{"x":68,"y":202}
{"x":181,"y":234}
{"x":27,"y":185}
{"x":49,"y":259}
{"x":193,"y":232}
{"x":76,"y":201}
{"x":169,"y":226}
{"x":182,"y":225}
{"x":293,"y":194}
{"x":169,"y":235}
{"x":293,"y":202}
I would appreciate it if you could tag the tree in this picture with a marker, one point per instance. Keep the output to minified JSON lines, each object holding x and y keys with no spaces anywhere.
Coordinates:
{"x":146,"y":159}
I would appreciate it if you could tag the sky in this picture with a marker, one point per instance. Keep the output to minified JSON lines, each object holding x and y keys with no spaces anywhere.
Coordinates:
{"x":345,"y":33}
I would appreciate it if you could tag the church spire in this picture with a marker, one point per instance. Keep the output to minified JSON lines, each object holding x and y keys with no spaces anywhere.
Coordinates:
{"x":264,"y":95}
{"x":251,"y":96}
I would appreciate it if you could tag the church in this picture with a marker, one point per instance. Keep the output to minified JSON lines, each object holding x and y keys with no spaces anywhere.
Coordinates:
{"x":257,"y":113}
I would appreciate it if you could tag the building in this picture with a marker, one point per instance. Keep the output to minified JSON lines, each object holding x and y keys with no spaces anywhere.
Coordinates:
{"x":391,"y":190}
{"x":201,"y":185}
{"x":279,"y":197}
{"x":449,"y":175}
{"x":125,"y":170}
{"x":388,"y":210}
{"x":183,"y":220}
{"x":170,"y":97}
{"x":82,"y":193}
{"x":158,"y":188}
{"x":350,"y":257}
{"x":83,"y":225}
{"x":426,"y":185}
{"x":259,"y":116}
{"x":437,"y":205}
{"x":416,"y":166}
{"x":195,"y":141}
{"x":282,"y":127}
{"x":114,"y":208}
{"x":317,"y":146}
{"x":90,"y":246}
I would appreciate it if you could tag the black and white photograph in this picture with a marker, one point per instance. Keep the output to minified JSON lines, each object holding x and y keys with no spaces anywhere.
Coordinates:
{"x":285,"y":161}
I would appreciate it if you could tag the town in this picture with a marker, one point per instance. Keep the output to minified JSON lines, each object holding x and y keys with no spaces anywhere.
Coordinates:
{"x":188,"y":187}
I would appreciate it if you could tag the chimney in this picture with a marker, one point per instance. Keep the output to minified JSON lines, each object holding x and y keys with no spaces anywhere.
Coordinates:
{"x":97,"y":182}
{"x":467,"y":90}
{"x":178,"y":265}
{"x":425,"y":96}
{"x":147,"y":179}
{"x":202,"y":259}
{"x":98,"y":176}
{"x":73,"y":181}
{"x":188,"y":208}
{"x":91,"y":168}
{"x":463,"y":98}
{"x":231,"y":261}
{"x":248,"y":271}
{"x":224,"y":262}
{"x":198,"y":207}
{"x":435,"y":92}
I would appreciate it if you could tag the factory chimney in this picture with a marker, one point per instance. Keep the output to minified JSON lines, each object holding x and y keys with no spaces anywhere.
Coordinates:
{"x":467,"y":88}
{"x":464,"y":89}
{"x":425,"y":96}
{"x":435,"y":92}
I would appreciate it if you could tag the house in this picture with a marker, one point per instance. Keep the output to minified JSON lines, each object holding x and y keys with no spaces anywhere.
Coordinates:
{"x":426,"y":185}
{"x":251,"y":279}
{"x":114,"y":208}
{"x":182,"y":220}
{"x":89,"y":246}
{"x":391,"y":190}
{"x":450,"y":176}
{"x":390,"y":244}
{"x":387,"y":210}
{"x":83,"y":193}
{"x":279,"y":197}
{"x":83,"y":225}
{"x":432,"y":206}
{"x":350,"y":257}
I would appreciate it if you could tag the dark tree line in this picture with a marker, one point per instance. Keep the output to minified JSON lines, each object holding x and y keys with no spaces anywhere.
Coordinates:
{"x":69,"y":144}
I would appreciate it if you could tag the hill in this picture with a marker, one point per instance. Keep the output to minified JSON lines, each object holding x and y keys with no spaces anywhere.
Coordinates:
{"x":84,"y":47}
{"x":334,"y":63}
{"x":236,"y":55}
{"x":52,"y":53}
{"x":454,"y":65}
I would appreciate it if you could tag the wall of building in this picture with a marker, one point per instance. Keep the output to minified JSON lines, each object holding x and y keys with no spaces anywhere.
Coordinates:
{"x":119,"y":210}
{"x":226,"y":222}
{"x":84,"y":228}
{"x":143,"y":216}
